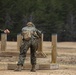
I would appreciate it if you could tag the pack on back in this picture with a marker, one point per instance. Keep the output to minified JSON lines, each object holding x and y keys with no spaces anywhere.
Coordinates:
{"x":26,"y":35}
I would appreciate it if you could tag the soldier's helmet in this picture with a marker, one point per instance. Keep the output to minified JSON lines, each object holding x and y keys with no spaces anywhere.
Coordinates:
{"x":30,"y":24}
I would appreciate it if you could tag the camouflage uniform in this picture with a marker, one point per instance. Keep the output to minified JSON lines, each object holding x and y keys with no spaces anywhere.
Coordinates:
{"x":1,"y":31}
{"x":32,"y":44}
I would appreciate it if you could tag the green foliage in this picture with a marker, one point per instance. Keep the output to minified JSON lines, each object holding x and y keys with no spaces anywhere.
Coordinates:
{"x":51,"y":16}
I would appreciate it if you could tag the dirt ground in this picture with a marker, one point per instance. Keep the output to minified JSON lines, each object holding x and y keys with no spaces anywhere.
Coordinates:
{"x":66,"y":58}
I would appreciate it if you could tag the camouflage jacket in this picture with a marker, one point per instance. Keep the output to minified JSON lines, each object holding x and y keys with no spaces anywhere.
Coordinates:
{"x":35,"y":32}
{"x":1,"y":31}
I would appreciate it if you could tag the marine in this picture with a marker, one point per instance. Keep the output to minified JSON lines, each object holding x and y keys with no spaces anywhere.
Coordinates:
{"x":30,"y":36}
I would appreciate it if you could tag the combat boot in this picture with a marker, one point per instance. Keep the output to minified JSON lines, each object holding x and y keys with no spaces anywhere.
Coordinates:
{"x":19,"y":68}
{"x":33,"y":68}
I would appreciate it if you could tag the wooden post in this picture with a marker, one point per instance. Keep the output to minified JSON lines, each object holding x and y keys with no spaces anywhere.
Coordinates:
{"x":40,"y":48}
{"x":3,"y":41}
{"x":40,"y":44}
{"x":19,"y":40}
{"x":54,"y":48}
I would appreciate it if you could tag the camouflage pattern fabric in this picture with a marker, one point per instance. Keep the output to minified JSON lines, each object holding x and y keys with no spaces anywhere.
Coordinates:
{"x":1,"y":31}
{"x":32,"y":44}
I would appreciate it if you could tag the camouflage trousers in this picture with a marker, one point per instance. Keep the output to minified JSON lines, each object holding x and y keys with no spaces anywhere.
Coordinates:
{"x":33,"y":45}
